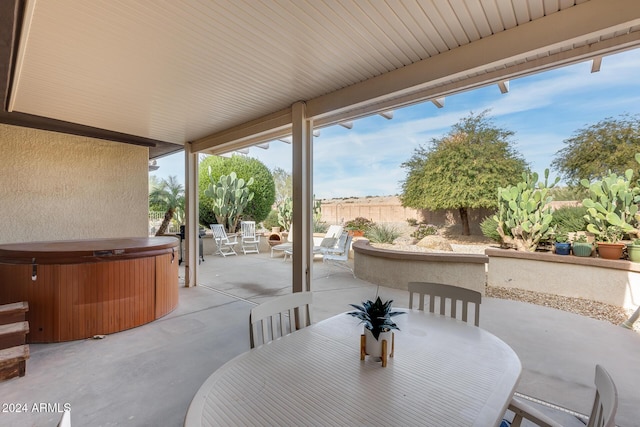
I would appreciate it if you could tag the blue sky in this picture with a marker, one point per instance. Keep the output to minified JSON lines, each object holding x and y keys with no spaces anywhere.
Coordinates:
{"x":543,"y":110}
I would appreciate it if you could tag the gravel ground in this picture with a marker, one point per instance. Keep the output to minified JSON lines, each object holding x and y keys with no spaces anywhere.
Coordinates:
{"x":584,"y":307}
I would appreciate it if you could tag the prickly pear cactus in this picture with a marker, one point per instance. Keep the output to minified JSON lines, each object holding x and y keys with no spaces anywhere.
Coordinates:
{"x":525,"y":212}
{"x":285,"y":213}
{"x":611,"y":207}
{"x":230,"y":196}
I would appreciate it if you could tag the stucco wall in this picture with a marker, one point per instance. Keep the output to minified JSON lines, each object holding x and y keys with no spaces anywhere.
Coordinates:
{"x":615,"y":282}
{"x":59,"y":187}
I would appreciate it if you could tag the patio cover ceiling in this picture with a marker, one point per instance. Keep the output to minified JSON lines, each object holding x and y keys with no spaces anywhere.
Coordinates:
{"x":223,"y":74}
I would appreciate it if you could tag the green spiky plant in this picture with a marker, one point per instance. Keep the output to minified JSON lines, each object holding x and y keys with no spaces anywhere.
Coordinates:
{"x":376,"y":316}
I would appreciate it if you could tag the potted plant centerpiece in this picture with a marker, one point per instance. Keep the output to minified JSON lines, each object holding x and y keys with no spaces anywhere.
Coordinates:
{"x":562,"y":244}
{"x":633,"y":249}
{"x":581,"y":247}
{"x":376,"y":317}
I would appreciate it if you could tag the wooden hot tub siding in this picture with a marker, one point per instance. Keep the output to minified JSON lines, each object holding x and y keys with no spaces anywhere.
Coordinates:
{"x":79,"y":300}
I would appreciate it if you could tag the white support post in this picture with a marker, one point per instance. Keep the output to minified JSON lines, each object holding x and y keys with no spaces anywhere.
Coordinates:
{"x":302,"y":198}
{"x":191,"y":255}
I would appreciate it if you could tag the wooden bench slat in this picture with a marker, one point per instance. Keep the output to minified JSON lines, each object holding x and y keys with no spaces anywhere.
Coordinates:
{"x":13,"y":362}
{"x":14,"y":312}
{"x":14,"y":328}
{"x":13,"y":334}
{"x":22,"y":306}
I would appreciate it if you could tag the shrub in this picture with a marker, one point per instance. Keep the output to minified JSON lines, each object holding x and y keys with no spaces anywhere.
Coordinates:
{"x":271,"y":220}
{"x":489,"y":228}
{"x":382,"y":233}
{"x":570,"y":218}
{"x":263,"y":186}
{"x":412,"y":222}
{"x":424,"y":230}
{"x":320,"y":226}
{"x":360,"y":223}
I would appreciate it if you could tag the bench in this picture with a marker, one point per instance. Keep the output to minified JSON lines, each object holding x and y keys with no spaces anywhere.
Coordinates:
{"x":14,"y":312}
{"x":13,"y":362}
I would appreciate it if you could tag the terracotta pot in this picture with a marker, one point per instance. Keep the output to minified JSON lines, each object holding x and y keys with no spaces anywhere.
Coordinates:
{"x":610,"y":250}
{"x":356,"y":233}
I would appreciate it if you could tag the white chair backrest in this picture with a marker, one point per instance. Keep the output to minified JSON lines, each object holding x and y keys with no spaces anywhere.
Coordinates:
{"x":334,"y":231}
{"x":605,"y":404}
{"x":248,"y":229}
{"x":445,"y":293}
{"x":279,"y":317}
{"x":219,"y":232}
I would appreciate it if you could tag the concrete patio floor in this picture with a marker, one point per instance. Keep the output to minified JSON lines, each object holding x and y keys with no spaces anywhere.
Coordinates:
{"x":147,"y":376}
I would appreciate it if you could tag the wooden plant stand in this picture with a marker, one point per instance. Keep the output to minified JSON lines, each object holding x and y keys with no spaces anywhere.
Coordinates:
{"x":363,"y":351}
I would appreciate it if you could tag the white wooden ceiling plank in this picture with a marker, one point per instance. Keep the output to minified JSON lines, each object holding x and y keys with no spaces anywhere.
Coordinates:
{"x":363,"y":22}
{"x":465,"y":19}
{"x":536,"y":9}
{"x":398,"y":30}
{"x":414,"y":25}
{"x":479,"y":17}
{"x":563,"y":4}
{"x":424,"y":20}
{"x":521,"y":12}
{"x":440,"y":24}
{"x":507,"y":14}
{"x":551,"y":6}
{"x":450,"y":16}
{"x":493,"y":15}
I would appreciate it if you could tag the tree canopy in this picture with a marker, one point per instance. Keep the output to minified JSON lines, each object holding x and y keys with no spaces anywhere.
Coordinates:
{"x":593,"y":151}
{"x":245,"y":167}
{"x":462,"y":169}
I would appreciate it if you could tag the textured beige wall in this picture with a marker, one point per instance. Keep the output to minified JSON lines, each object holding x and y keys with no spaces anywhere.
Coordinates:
{"x":60,"y":187}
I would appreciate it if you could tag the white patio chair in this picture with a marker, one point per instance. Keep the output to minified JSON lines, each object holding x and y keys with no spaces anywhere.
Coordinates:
{"x":339,"y":254}
{"x":224,"y":245}
{"x":249,"y":240}
{"x":445,"y":293}
{"x":603,"y":412}
{"x":279,"y":317}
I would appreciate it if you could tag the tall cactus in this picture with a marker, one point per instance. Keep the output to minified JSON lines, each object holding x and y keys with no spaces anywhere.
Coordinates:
{"x":525,"y":212}
{"x":611,"y":205}
{"x":230,"y":196}
{"x":285,"y":213}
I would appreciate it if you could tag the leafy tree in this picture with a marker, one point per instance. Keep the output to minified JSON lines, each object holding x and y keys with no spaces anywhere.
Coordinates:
{"x":166,"y":194}
{"x":245,"y":167}
{"x":609,"y":145}
{"x":463,"y":169}
{"x":284,"y":185}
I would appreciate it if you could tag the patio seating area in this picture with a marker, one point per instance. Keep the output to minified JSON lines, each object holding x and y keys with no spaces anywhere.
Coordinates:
{"x":149,"y":375}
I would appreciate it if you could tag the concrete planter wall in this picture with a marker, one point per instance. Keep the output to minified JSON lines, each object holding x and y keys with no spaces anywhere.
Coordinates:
{"x":396,"y":269}
{"x":615,"y":282}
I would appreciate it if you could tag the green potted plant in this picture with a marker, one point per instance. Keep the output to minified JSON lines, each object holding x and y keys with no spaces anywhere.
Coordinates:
{"x":562,"y":244}
{"x":581,"y":247}
{"x":633,"y":249}
{"x":608,"y":243}
{"x":376,"y":317}
{"x":358,"y":226}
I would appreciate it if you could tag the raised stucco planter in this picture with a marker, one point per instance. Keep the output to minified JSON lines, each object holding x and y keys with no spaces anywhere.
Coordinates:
{"x":615,"y":282}
{"x":396,"y":269}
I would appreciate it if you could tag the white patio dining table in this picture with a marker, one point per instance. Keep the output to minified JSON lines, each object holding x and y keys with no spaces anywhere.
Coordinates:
{"x":444,"y":373}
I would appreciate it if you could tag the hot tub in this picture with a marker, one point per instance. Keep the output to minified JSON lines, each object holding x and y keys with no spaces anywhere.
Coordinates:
{"x":81,"y":288}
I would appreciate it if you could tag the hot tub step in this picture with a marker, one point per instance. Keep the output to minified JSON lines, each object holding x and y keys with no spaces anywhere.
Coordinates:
{"x":13,"y":362}
{"x":14,"y":312}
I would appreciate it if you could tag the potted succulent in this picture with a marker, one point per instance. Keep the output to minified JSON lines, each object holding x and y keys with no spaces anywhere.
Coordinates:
{"x":376,"y":317}
{"x":608,"y":243}
{"x":562,"y":244}
{"x":633,"y":250}
{"x":581,"y":247}
{"x":358,"y":226}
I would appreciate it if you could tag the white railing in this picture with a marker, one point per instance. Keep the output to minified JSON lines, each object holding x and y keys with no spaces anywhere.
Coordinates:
{"x":155,"y":220}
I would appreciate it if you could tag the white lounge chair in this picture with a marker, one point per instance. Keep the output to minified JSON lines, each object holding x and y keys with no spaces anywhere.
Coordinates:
{"x":339,"y":254}
{"x":249,"y":240}
{"x":224,"y":245}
